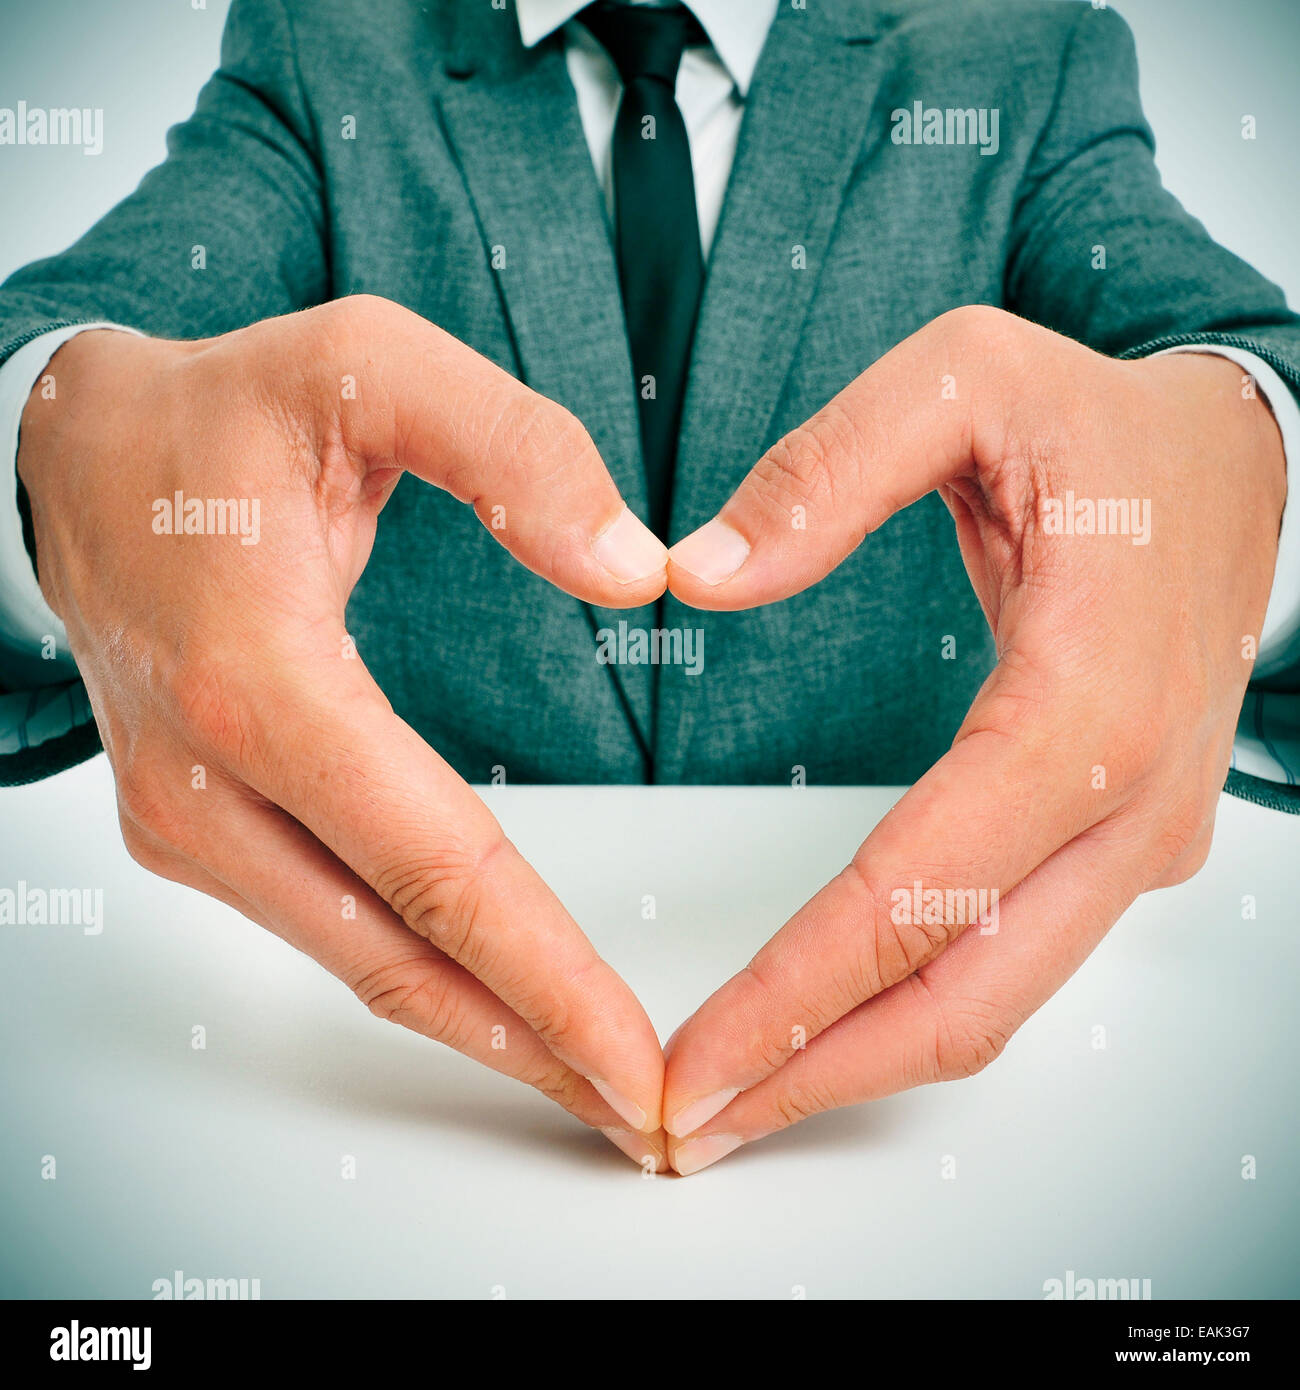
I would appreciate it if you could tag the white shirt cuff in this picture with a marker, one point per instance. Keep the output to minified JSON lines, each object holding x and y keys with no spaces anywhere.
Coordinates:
{"x":26,"y":620}
{"x":1278,"y":636}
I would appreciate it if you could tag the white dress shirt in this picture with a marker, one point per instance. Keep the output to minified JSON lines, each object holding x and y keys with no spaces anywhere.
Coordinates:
{"x":712,"y":85}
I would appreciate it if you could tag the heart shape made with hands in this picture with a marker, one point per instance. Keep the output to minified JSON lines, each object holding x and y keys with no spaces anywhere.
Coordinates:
{"x":997,"y":873}
{"x":1086,"y":771}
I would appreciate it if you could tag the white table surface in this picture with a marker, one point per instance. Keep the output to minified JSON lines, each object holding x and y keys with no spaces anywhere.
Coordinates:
{"x":226,"y":1163}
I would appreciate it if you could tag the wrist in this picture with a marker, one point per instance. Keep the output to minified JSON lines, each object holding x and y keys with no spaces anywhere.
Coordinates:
{"x":84,"y":416}
{"x":82,"y":358}
{"x":1219,"y":391}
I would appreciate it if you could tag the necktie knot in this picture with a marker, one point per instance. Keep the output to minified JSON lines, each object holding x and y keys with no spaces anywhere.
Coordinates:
{"x":644,"y":41}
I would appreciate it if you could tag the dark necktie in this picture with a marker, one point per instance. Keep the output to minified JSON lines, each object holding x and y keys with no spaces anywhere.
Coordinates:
{"x":656,"y":231}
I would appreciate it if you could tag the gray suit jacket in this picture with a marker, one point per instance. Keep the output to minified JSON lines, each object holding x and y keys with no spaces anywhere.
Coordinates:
{"x":834,"y":244}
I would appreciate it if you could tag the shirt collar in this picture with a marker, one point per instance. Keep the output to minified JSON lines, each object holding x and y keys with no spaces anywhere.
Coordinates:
{"x":737,"y":29}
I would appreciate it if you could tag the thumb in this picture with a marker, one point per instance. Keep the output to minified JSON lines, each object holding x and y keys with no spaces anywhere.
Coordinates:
{"x":895,"y":433}
{"x":440,"y":410}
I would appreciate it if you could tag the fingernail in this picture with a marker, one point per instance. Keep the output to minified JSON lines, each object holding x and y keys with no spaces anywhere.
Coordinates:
{"x":626,"y":1109}
{"x":713,"y":553}
{"x":699,"y":1153}
{"x":699,"y":1112}
{"x":628,"y":550}
{"x":636,"y":1146}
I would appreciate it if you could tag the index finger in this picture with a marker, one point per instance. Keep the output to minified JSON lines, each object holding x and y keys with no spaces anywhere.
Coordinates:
{"x":951,"y":1018}
{"x":370,"y":789}
{"x":988,"y":813}
{"x":436,"y":407}
{"x":891,"y":436}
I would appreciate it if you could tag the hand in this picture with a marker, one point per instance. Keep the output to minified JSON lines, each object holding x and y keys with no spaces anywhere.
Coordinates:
{"x":255,"y":757}
{"x":1090,"y":763}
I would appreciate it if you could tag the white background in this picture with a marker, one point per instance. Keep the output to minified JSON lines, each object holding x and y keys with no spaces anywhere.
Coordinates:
{"x":1122,"y":1162}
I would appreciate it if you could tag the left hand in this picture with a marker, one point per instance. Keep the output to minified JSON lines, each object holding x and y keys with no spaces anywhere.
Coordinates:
{"x":1089,"y":766}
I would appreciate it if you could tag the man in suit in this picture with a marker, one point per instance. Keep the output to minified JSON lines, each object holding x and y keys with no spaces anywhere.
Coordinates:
{"x":799,"y":287}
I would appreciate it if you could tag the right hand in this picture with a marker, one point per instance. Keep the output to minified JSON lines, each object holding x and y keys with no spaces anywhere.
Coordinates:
{"x":321,"y":815}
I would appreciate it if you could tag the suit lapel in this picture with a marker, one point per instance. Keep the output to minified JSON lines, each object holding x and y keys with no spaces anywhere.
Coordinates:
{"x":511,"y":117}
{"x":804,"y":124}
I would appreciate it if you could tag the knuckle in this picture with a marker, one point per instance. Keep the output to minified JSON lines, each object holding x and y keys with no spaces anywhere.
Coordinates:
{"x":415,"y":995}
{"x":560,"y":426}
{"x":792,"y":468}
{"x":148,"y":809}
{"x":549,"y":1011}
{"x":430,"y":899}
{"x":890,"y":950}
{"x":964,"y":1036}
{"x":981,"y":326}
{"x":773,"y":1050}
{"x":1011,"y":710}
{"x":1001,"y":357}
{"x":1183,"y":826}
{"x":145,"y":850}
{"x":1199,"y":853}
{"x":1186,"y":866}
{"x":967,"y":1040}
{"x":1183,"y":841}
{"x":356,"y":314}
{"x":789,"y":1108}
{"x":545,"y":440}
{"x":865,"y":974}
{"x":439,"y":895}
{"x":801,"y":1100}
{"x":560,"y":1084}
{"x":814,"y":463}
{"x":773,"y":1045}
{"x":337,"y":334}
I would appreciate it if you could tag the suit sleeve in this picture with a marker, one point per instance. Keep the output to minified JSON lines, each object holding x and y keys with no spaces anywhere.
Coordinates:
{"x":228,"y":230}
{"x":1102,"y":252}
